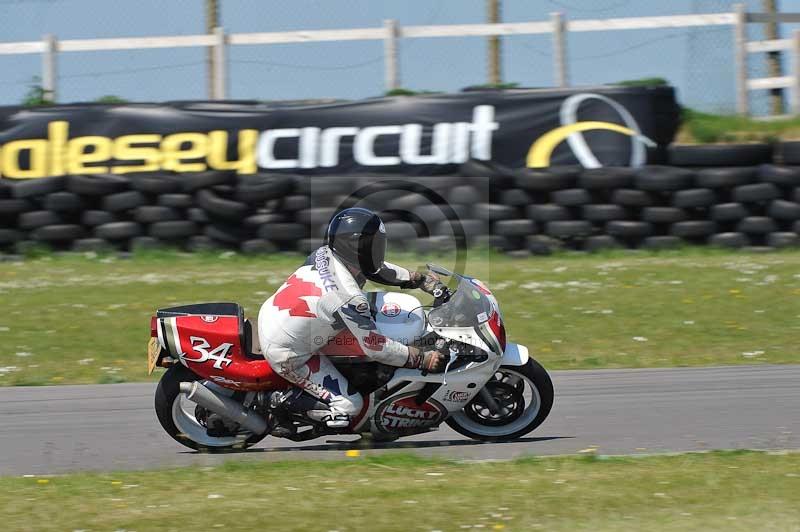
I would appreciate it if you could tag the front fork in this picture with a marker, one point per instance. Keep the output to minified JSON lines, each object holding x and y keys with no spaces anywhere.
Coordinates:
{"x":490,"y":401}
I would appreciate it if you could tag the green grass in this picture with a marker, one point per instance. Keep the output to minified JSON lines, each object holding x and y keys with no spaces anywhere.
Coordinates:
{"x":78,"y":319}
{"x":700,"y":127}
{"x":715,"y":491}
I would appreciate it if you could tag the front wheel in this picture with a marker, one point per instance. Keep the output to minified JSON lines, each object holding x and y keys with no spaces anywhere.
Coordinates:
{"x":183,"y":419}
{"x":520,"y":400}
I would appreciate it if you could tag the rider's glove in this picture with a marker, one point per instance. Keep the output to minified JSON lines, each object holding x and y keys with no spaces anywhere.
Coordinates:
{"x":428,"y":282}
{"x":432,"y":361}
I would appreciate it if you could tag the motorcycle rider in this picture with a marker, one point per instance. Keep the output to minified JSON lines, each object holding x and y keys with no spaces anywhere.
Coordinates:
{"x":324,"y":297}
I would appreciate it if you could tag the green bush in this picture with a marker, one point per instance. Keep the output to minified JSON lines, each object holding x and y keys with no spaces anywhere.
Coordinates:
{"x":643,"y":82}
{"x":35,"y":96}
{"x":699,"y":127}
{"x":402,"y":91}
{"x":110,"y":98}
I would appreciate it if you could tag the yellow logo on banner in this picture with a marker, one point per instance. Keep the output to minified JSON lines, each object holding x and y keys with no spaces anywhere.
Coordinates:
{"x":571,"y":130}
{"x":541,"y":150}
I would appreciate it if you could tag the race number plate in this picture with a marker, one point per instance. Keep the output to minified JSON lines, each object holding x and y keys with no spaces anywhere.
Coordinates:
{"x":153,"y":350}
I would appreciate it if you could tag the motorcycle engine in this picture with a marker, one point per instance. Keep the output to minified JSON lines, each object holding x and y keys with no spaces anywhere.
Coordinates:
{"x":366,"y":377}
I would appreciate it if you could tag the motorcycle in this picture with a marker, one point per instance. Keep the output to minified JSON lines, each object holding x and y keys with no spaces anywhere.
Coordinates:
{"x":215,"y":394}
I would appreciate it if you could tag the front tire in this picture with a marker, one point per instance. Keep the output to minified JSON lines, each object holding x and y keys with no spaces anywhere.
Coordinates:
{"x":525,"y":392}
{"x":176,"y":413}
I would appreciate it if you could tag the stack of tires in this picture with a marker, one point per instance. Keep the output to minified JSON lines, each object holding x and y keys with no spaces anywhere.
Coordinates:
{"x":98,"y":212}
{"x":741,"y":196}
{"x":722,"y":195}
{"x":733,"y":195}
{"x":427,"y":214}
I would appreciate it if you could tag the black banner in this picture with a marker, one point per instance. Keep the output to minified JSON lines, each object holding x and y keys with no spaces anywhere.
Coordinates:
{"x":608,"y":126}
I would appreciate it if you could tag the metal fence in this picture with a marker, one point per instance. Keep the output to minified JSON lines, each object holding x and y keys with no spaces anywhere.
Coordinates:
{"x":557,"y":29}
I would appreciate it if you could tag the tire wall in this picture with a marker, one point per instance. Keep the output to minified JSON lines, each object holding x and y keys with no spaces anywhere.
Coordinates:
{"x":723,"y":195}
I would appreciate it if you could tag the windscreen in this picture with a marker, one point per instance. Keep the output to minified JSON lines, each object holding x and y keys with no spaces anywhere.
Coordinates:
{"x":467,"y":308}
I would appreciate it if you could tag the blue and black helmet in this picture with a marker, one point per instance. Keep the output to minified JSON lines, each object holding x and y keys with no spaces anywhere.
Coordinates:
{"x":358,"y":237}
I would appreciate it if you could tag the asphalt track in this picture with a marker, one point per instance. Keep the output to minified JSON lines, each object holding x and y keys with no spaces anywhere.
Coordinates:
{"x":48,"y":430}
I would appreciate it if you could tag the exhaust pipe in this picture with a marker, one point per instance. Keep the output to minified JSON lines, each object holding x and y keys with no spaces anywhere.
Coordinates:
{"x":224,"y":406}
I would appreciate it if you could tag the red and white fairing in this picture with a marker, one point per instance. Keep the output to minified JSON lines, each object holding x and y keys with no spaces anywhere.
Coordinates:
{"x":211,"y":347}
{"x":493,"y":327}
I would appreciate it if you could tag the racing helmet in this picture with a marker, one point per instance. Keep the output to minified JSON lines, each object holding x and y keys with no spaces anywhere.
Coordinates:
{"x":357,"y":237}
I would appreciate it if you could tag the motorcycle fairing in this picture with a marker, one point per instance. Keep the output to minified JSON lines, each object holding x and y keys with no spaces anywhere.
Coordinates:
{"x":471,"y":318}
{"x":402,"y":415}
{"x":461,"y":386}
{"x":211,"y":346}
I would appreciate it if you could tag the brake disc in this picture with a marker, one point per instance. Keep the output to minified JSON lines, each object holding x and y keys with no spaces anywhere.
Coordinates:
{"x":507,"y":396}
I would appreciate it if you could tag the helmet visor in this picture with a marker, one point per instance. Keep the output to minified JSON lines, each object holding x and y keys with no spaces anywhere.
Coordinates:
{"x":372,"y":251}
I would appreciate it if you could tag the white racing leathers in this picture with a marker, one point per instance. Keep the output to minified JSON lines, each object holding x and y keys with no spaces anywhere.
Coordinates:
{"x":318,"y":300}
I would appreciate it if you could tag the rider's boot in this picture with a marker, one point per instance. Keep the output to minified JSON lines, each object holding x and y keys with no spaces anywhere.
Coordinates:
{"x":296,"y":401}
{"x":336,"y":421}
{"x":279,"y":418}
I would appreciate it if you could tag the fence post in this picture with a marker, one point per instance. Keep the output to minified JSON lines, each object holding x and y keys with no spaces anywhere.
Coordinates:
{"x":220,"y":65}
{"x":49,"y":68}
{"x":796,"y":68}
{"x":560,"y":50}
{"x":390,"y":55}
{"x":495,"y":59}
{"x":740,"y":57}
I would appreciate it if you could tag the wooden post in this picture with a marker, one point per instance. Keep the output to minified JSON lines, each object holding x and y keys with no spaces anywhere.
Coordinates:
{"x":212,"y":22}
{"x":220,"y":64}
{"x":50,"y":68}
{"x":796,"y":72}
{"x":774,"y":69}
{"x":495,"y":67}
{"x":391,"y":56}
{"x":561,"y":75}
{"x":740,"y":58}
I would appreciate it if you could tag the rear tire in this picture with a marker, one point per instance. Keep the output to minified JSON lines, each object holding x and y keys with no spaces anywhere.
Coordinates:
{"x":537,"y":408}
{"x":168,"y":403}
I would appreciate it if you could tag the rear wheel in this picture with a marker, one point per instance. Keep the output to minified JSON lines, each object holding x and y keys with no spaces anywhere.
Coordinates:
{"x":184,"y":420}
{"x":522,"y":397}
